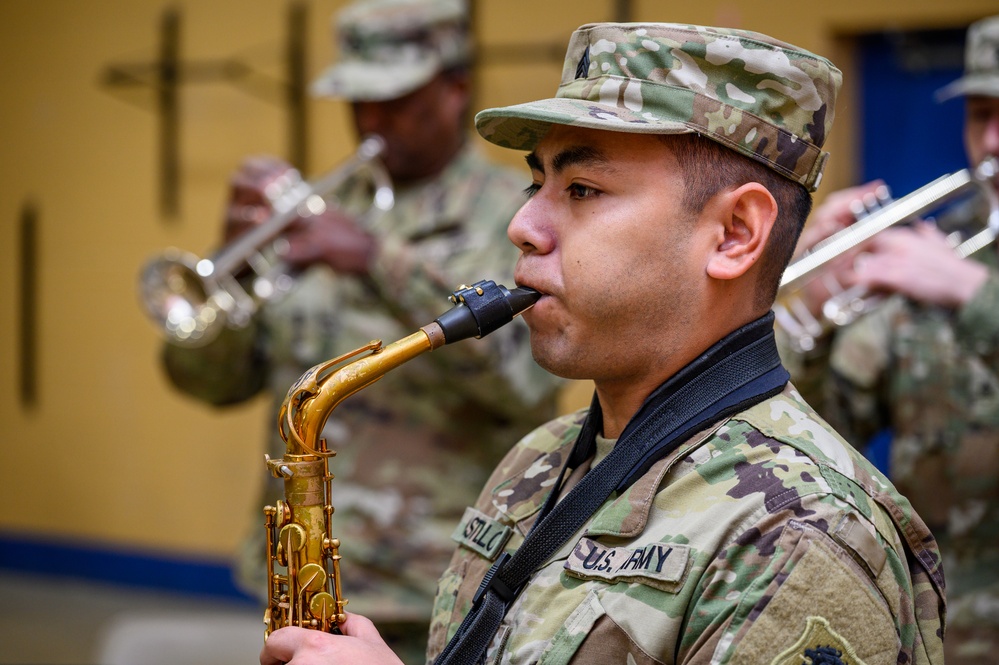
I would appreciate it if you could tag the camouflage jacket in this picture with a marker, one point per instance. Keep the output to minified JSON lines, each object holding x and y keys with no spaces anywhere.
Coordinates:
{"x":765,"y":539}
{"x":415,"y":448}
{"x":928,"y":378}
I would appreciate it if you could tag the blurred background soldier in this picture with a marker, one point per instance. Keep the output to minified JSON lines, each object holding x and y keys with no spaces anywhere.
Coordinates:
{"x":411,"y":452}
{"x":923,"y":369}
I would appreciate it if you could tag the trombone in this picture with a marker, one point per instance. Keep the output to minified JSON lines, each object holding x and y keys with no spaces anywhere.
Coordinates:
{"x":846,"y":305}
{"x":193,"y":299}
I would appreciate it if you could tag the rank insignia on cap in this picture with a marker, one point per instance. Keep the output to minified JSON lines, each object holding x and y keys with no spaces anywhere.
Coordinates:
{"x":583,"y":68}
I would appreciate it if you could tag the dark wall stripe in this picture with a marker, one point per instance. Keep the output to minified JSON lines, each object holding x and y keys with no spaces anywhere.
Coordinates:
{"x":296,"y":86}
{"x":28,"y":351}
{"x":120,"y":566}
{"x":623,"y":11}
{"x":169,"y":115}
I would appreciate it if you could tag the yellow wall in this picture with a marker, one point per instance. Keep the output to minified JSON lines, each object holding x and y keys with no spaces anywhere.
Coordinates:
{"x":110,"y":453}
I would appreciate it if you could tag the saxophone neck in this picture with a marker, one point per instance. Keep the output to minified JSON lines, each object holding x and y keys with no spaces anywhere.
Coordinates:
{"x":478,"y":310}
{"x":315,"y":395}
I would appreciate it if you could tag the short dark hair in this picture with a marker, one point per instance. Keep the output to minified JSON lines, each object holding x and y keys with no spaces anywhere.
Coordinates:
{"x":710,"y":167}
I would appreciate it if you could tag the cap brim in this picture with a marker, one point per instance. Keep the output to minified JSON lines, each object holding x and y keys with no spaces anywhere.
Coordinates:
{"x":984,"y":85}
{"x":521,"y":126}
{"x":365,"y":81}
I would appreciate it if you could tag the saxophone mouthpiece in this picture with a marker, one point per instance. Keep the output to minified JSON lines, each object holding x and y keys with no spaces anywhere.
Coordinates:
{"x":482,"y":308}
{"x":521,"y":298}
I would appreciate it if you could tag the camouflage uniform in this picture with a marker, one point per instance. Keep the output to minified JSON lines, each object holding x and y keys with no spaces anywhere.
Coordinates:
{"x":413,"y":451}
{"x":763,"y":539}
{"x":927,"y":379}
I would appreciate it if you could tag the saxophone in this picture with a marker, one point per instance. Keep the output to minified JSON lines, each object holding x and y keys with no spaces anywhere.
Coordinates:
{"x":303,"y":556}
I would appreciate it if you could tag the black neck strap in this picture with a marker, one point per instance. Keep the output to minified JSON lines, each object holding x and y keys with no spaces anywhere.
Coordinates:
{"x":740,"y":370}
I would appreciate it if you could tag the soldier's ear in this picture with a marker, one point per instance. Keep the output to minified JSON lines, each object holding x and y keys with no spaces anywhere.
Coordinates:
{"x":742,"y":219}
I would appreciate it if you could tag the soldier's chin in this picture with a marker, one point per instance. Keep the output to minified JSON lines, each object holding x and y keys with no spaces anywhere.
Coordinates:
{"x":555,"y":359}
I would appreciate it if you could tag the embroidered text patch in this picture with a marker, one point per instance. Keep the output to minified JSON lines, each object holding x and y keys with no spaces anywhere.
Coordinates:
{"x":481,"y":534}
{"x":662,"y":565}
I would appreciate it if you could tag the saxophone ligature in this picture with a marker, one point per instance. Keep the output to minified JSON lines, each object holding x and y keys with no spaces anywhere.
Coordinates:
{"x":303,"y":557}
{"x":845,"y":305}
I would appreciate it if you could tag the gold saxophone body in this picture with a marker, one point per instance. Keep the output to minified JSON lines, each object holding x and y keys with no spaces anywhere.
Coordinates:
{"x":303,"y":557}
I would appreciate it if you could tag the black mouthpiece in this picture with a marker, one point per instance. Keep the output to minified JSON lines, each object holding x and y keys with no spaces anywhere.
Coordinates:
{"x":482,"y":308}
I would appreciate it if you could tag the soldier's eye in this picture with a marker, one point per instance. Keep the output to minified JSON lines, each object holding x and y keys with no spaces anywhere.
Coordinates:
{"x":577,"y":191}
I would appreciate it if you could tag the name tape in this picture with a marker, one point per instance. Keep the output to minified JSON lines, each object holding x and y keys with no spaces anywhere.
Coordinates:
{"x":662,"y":565}
{"x":481,"y":534}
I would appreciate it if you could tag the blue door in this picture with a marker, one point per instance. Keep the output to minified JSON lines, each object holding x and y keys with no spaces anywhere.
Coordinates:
{"x":907,"y":137}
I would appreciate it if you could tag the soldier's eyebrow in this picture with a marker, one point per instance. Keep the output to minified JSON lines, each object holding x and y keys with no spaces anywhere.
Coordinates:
{"x":534,"y":163}
{"x":582,"y":155}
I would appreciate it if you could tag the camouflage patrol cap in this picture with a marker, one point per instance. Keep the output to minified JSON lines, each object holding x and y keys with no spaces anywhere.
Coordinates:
{"x":768,"y":100}
{"x":388,"y":48}
{"x":981,"y":63}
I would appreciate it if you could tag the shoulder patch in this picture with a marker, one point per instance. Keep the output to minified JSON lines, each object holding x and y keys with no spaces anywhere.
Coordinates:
{"x":817,"y":598}
{"x":481,"y":534}
{"x":819,"y":645}
{"x":660,"y":565}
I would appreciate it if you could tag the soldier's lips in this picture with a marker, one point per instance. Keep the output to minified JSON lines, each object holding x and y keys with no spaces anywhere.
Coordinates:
{"x":540,"y":306}
{"x":542,"y":293}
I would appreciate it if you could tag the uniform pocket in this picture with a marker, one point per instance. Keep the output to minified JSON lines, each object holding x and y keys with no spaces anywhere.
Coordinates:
{"x":573,"y":632}
{"x":590,"y":635}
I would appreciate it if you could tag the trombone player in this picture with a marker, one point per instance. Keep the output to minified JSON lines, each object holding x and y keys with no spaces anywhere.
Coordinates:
{"x":923,"y":369}
{"x":404,"y":68}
